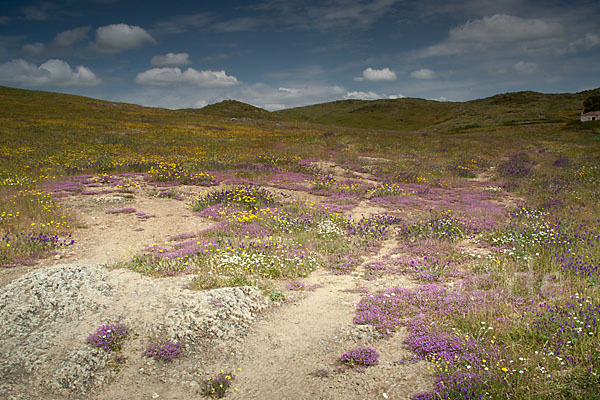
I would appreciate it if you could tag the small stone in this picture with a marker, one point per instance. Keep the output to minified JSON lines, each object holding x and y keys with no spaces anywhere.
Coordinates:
{"x":155,"y":396}
{"x":385,"y":396}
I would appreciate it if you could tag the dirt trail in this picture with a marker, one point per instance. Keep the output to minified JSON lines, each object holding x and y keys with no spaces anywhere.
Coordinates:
{"x":287,"y":344}
{"x":278,"y":360}
{"x":107,"y":238}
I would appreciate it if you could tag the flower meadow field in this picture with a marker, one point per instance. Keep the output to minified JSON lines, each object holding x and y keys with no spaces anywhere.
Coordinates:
{"x":498,"y":230}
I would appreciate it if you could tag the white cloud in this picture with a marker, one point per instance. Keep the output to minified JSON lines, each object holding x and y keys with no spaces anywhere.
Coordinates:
{"x":34,"y":49}
{"x":171,"y":60}
{"x":274,"y":107}
{"x":362,"y":95}
{"x":265,"y":96}
{"x":270,"y":98}
{"x":118,"y":38}
{"x":359,"y":95}
{"x":51,"y":73}
{"x":423,"y":73}
{"x":371,"y":74}
{"x":70,"y":37}
{"x":261,"y":94}
{"x":200,"y":104}
{"x":290,"y":90}
{"x":497,"y":30}
{"x":505,"y":28}
{"x":168,"y":76}
{"x":525,"y":68}
{"x":258,"y":94}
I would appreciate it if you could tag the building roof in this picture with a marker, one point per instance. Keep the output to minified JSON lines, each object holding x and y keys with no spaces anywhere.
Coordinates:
{"x":591,"y":113}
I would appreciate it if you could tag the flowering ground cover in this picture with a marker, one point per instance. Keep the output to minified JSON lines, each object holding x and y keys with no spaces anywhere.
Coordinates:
{"x":502,"y":246}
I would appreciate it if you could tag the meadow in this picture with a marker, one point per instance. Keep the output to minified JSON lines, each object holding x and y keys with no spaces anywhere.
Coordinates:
{"x":496,"y":223}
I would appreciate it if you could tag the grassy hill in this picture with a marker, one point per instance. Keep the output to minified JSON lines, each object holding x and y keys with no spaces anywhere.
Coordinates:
{"x":234,"y":109}
{"x":411,"y":114}
{"x":407,"y":114}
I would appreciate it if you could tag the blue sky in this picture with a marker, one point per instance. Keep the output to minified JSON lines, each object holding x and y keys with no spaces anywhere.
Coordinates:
{"x":284,"y":53}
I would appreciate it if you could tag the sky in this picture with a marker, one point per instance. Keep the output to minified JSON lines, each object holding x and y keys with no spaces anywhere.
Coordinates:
{"x":279,"y":54}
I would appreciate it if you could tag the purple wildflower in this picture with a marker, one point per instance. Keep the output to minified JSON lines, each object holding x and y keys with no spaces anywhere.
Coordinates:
{"x":166,"y":351}
{"x":109,"y":337}
{"x":360,"y":357}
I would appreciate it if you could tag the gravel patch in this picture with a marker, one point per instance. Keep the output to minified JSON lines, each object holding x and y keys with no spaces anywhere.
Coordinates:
{"x":46,"y":316}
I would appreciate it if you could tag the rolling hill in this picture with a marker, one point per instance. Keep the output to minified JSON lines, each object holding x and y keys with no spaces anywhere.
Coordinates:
{"x":406,"y":114}
{"x":413,"y":114}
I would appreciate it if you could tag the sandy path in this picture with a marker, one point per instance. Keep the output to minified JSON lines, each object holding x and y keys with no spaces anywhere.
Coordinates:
{"x":279,"y":358}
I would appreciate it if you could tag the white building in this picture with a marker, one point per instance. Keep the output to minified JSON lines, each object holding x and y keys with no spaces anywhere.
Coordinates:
{"x":590,"y":116}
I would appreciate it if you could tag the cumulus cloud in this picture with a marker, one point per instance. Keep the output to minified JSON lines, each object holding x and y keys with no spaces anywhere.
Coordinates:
{"x":51,"y":73}
{"x":525,"y":68}
{"x":171,"y":60}
{"x":169,"y":76}
{"x":118,"y":38}
{"x":70,"y":37}
{"x":371,"y":74}
{"x":423,"y":73}
{"x":359,"y":95}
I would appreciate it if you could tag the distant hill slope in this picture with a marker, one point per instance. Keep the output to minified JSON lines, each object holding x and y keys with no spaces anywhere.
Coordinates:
{"x":400,"y":114}
{"x":234,"y":109}
{"x":411,"y":114}
{"x":407,"y":114}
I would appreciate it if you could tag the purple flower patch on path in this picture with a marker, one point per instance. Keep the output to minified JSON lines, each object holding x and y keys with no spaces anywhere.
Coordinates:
{"x":128,"y":210}
{"x":109,"y":337}
{"x":166,"y":351}
{"x":360,"y":357}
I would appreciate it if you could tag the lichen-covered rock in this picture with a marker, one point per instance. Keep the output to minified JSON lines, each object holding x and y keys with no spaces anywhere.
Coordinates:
{"x":46,"y":316}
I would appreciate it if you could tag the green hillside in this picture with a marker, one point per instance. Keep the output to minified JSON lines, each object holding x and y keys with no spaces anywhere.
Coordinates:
{"x":234,"y":109}
{"x":407,"y":114}
{"x":411,"y":114}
